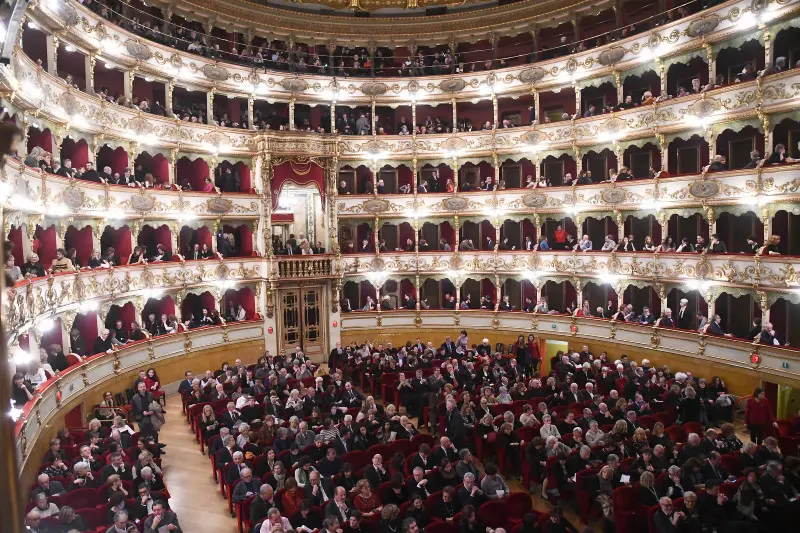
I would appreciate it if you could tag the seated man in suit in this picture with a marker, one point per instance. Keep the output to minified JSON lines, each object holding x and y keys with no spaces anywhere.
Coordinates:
{"x":318,"y":490}
{"x":376,"y":473}
{"x":351,"y":397}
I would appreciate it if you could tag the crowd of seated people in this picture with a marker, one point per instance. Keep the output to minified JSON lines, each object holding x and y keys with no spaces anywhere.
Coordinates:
{"x":107,"y":476}
{"x":351,"y":61}
{"x":562,"y":240}
{"x":298,"y":245}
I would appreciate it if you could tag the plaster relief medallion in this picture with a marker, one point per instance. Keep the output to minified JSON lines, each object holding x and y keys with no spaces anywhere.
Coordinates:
{"x":69,"y":15}
{"x":453,"y":144}
{"x":70,"y":103}
{"x":139,"y":125}
{"x":703,"y":26}
{"x":614,"y":264}
{"x":219,"y":205}
{"x":375,"y":147}
{"x":705,"y":107}
{"x":533,"y":138}
{"x":534,"y":199}
{"x":253,"y":78}
{"x":455,"y":203}
{"x":412,"y":87}
{"x":611,"y":56}
{"x":571,"y":66}
{"x":222,"y":271}
{"x":704,"y":268}
{"x":378,"y":264}
{"x":613,"y":126}
{"x":376,"y":206}
{"x":374,"y":88}
{"x":216,"y":73}
{"x":704,"y":189}
{"x":143,"y":202}
{"x":138,"y":50}
{"x":452,"y":85}
{"x":73,"y":197}
{"x":532,"y":75}
{"x":295,"y":85}
{"x":614,"y":196}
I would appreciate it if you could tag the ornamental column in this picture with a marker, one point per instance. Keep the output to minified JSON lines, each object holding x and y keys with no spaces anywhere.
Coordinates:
{"x":576,"y":150}
{"x":534,"y":44}
{"x":712,"y":220}
{"x":333,"y":118}
{"x":250,"y":111}
{"x":414,"y":120}
{"x":711,"y":139}
{"x":455,"y":174}
{"x":769,"y":46}
{"x":766,"y":219}
{"x":620,"y":225}
{"x":170,"y":88}
{"x":455,"y":115}
{"x":215,"y":228}
{"x":376,"y":229}
{"x":712,"y":63}
{"x":292,"y":126}
{"x":88,"y":64}
{"x":52,"y":55}
{"x":173,"y":166}
{"x":418,"y":286}
{"x":620,"y":88}
{"x":496,"y":164}
{"x":497,"y":291}
{"x":127,"y":85}
{"x":414,"y":177}
{"x":763,"y":303}
{"x":415,"y":226}
{"x":662,"y":76}
{"x":663,"y":146}
{"x":210,"y":107}
{"x":535,"y":93}
{"x":494,"y":111}
{"x":373,"y":119}
{"x":578,"y":110}
{"x":266,"y":195}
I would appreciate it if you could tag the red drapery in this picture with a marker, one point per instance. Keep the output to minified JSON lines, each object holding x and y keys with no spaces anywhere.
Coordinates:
{"x":15,"y":236}
{"x":126,"y":313}
{"x":47,"y":244}
{"x":81,"y":240}
{"x":77,"y":152}
{"x":117,"y":159}
{"x":299,"y":172}
{"x":406,"y":287}
{"x":243,"y":297}
{"x":43,"y":139}
{"x":283,"y":218}
{"x":244,"y":176}
{"x":87,"y":325}
{"x":244,"y":239}
{"x":164,"y":306}
{"x":52,"y":335}
{"x":120,"y":240}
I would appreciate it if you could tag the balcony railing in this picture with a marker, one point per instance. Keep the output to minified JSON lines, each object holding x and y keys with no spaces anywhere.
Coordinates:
{"x":304,"y":266}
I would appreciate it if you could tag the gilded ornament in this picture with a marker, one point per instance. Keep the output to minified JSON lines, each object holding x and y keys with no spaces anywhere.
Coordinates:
{"x":295,"y":85}
{"x":704,"y":188}
{"x":138,"y":50}
{"x":455,"y":203}
{"x":143,"y":202}
{"x":610,"y":56}
{"x":219,"y":205}
{"x":655,"y":339}
{"x":534,"y":200}
{"x":216,"y":72}
{"x":452,"y":85}
{"x":614,"y":195}
{"x":374,"y":88}
{"x":703,"y":26}
{"x":74,"y":197}
{"x":376,"y":205}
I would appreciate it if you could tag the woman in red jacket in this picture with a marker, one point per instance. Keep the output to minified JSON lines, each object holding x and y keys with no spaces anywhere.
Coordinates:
{"x":758,"y":415}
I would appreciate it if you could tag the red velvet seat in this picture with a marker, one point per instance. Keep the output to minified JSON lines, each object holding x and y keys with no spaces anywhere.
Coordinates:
{"x":243,"y":514}
{"x":493,"y":514}
{"x":518,"y":504}
{"x":441,"y":526}
{"x":81,"y":499}
{"x":92,"y":519}
{"x":357,"y":459}
{"x":626,"y":512}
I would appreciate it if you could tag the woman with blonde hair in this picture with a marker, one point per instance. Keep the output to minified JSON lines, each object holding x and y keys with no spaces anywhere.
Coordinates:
{"x":639,"y":441}
{"x":366,"y":501}
{"x":209,"y":426}
{"x":620,"y":429}
{"x":114,"y":484}
{"x":605,"y":496}
{"x":647,"y":494}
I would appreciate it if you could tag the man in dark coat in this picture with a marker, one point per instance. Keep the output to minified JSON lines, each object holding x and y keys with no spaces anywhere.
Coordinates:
{"x":140,"y":407}
{"x":454,"y":427}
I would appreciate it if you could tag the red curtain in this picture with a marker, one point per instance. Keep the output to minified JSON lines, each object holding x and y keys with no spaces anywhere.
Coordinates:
{"x":528,"y":291}
{"x":184,"y":171}
{"x":47,"y":244}
{"x":244,"y":239}
{"x":81,"y":240}
{"x":52,"y":336}
{"x":160,"y":168}
{"x":126,"y":313}
{"x":42,"y":139}
{"x":186,"y":240}
{"x":300,"y":173}
{"x":404,"y":176}
{"x":244,"y":176}
{"x":488,"y":288}
{"x":528,"y":231}
{"x":570,"y":295}
{"x":243,"y":297}
{"x":86,"y":323}
{"x":203,"y":236}
{"x":119,"y":239}
{"x":406,"y":232}
{"x":164,"y":236}
{"x":117,"y":159}
{"x":363,"y":179}
{"x":366,"y":289}
{"x":363,"y":231}
{"x":15,"y":237}
{"x":200,"y":172}
{"x":487,"y":230}
{"x":447,"y":233}
{"x":406,"y":287}
{"x":75,"y":151}
{"x":165,"y":305}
